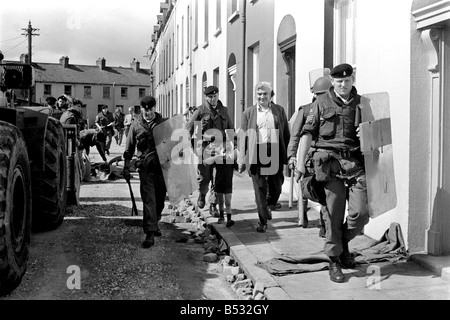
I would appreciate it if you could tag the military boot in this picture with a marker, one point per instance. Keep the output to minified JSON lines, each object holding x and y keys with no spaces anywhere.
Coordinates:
{"x":149,"y":240}
{"x":335,"y":270}
{"x":201,"y":201}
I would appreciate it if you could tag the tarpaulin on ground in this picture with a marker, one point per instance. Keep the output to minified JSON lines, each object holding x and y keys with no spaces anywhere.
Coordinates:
{"x":390,"y":247}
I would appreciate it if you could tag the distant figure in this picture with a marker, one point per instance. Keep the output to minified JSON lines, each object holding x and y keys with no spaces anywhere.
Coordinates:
{"x":119,"y":118}
{"x":128,"y":120}
{"x":90,"y":138}
{"x":62,"y":102}
{"x":51,"y":102}
{"x":189,"y":112}
{"x":105,"y":123}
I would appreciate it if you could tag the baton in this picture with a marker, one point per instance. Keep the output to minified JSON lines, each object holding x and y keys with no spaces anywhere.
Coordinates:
{"x":134,"y":211}
{"x":291,"y":190}
{"x":301,"y":211}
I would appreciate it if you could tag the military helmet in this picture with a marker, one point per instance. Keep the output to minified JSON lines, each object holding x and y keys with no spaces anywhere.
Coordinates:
{"x":321,"y":85}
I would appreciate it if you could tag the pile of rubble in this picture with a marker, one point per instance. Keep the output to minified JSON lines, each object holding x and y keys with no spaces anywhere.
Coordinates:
{"x":216,"y":249}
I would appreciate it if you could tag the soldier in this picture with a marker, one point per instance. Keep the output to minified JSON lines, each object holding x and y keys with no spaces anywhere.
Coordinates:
{"x":320,"y":86}
{"x":104,"y":122}
{"x":153,"y":188}
{"x":90,"y":138}
{"x":51,"y":102}
{"x":338,"y":165}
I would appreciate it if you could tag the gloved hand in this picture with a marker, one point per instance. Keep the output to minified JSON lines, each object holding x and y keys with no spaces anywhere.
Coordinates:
{"x":241,"y":167}
{"x":126,"y":174}
{"x":292,"y":164}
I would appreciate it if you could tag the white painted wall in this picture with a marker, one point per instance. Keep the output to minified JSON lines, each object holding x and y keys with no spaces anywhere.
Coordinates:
{"x":383,"y":65}
{"x":309,"y":21}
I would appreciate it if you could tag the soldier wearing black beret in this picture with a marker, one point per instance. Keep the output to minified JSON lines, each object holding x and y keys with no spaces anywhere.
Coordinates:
{"x":333,"y":123}
{"x":153,"y":188}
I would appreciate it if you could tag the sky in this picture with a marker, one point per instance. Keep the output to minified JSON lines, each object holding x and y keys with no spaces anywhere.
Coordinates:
{"x":83,"y":30}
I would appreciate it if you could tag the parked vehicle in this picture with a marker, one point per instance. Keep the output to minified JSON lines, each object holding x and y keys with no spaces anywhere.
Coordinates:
{"x":34,"y":173}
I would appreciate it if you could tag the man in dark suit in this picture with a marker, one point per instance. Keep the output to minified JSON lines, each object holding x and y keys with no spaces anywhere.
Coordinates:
{"x":263,"y":138}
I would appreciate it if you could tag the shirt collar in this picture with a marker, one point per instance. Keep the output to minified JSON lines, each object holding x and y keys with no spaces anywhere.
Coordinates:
{"x":261,"y":109}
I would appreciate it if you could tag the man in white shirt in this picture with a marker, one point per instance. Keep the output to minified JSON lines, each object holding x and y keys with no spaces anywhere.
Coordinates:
{"x":262,"y":150}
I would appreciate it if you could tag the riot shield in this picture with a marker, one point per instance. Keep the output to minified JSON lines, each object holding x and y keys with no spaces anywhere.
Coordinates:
{"x":376,"y":145}
{"x":178,"y":161}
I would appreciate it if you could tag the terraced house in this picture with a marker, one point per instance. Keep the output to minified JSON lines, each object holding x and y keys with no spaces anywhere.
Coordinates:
{"x":95,"y":85}
{"x":399,"y":48}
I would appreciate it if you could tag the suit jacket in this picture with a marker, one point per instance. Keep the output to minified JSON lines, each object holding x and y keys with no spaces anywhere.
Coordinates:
{"x":248,"y":136}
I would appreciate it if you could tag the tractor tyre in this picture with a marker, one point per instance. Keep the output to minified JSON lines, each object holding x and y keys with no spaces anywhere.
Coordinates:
{"x":15,"y":207}
{"x":50,"y":186}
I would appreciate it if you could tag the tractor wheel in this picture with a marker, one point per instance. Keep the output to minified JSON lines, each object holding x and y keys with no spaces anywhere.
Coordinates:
{"x":50,"y":186}
{"x":15,"y":207}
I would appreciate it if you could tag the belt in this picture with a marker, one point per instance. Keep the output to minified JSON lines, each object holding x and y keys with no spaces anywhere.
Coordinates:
{"x":341,"y":153}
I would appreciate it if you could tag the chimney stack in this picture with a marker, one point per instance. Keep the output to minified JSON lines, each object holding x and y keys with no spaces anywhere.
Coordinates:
{"x":135,"y":65}
{"x":64,"y":61}
{"x":101,"y":63}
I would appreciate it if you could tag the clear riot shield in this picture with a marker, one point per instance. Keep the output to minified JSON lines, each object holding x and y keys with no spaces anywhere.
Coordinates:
{"x":376,"y":145}
{"x":178,"y":161}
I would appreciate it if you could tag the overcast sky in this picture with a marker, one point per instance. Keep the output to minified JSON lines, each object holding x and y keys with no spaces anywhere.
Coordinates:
{"x":83,"y":30}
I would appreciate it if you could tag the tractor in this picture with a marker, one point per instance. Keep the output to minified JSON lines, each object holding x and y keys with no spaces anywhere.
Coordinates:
{"x":38,"y":160}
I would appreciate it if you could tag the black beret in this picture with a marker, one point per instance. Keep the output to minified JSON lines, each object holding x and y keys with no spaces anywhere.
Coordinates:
{"x":104,"y":106}
{"x":148,"y":102}
{"x":211,"y":90}
{"x":342,"y":71}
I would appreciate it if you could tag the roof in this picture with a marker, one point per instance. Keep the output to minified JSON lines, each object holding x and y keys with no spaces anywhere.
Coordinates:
{"x":83,"y":74}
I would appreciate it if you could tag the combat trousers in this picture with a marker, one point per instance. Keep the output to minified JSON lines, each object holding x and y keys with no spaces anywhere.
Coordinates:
{"x":153,"y":194}
{"x":338,"y":230}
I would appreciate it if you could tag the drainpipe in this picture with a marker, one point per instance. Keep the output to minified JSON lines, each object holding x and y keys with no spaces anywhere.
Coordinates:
{"x":244,"y":44}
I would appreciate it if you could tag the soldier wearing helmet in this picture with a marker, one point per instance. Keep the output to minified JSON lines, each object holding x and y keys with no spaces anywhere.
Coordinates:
{"x":320,"y":86}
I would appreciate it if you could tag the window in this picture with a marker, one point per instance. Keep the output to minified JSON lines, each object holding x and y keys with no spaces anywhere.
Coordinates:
{"x":141,"y":93}
{"x":196,"y":25}
{"x":255,"y":65}
{"x":47,"y":89}
{"x":344,"y":32}
{"x":87,"y":92}
{"x":178,"y":46}
{"x":206,"y":23}
{"x":106,"y":93}
{"x":124,"y":92}
{"x":194,"y":90}
{"x":216,"y":77}
{"x":182,"y":40}
{"x":188,"y":32}
{"x":234,"y":11}
{"x":218,"y":18}
{"x":68,"y":90}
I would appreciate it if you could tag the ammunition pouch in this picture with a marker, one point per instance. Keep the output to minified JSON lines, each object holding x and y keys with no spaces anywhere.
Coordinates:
{"x":313,"y":190}
{"x":322,"y":166}
{"x":350,"y":165}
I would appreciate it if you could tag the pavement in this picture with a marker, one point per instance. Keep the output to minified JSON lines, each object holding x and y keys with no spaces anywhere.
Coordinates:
{"x":421,"y":277}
